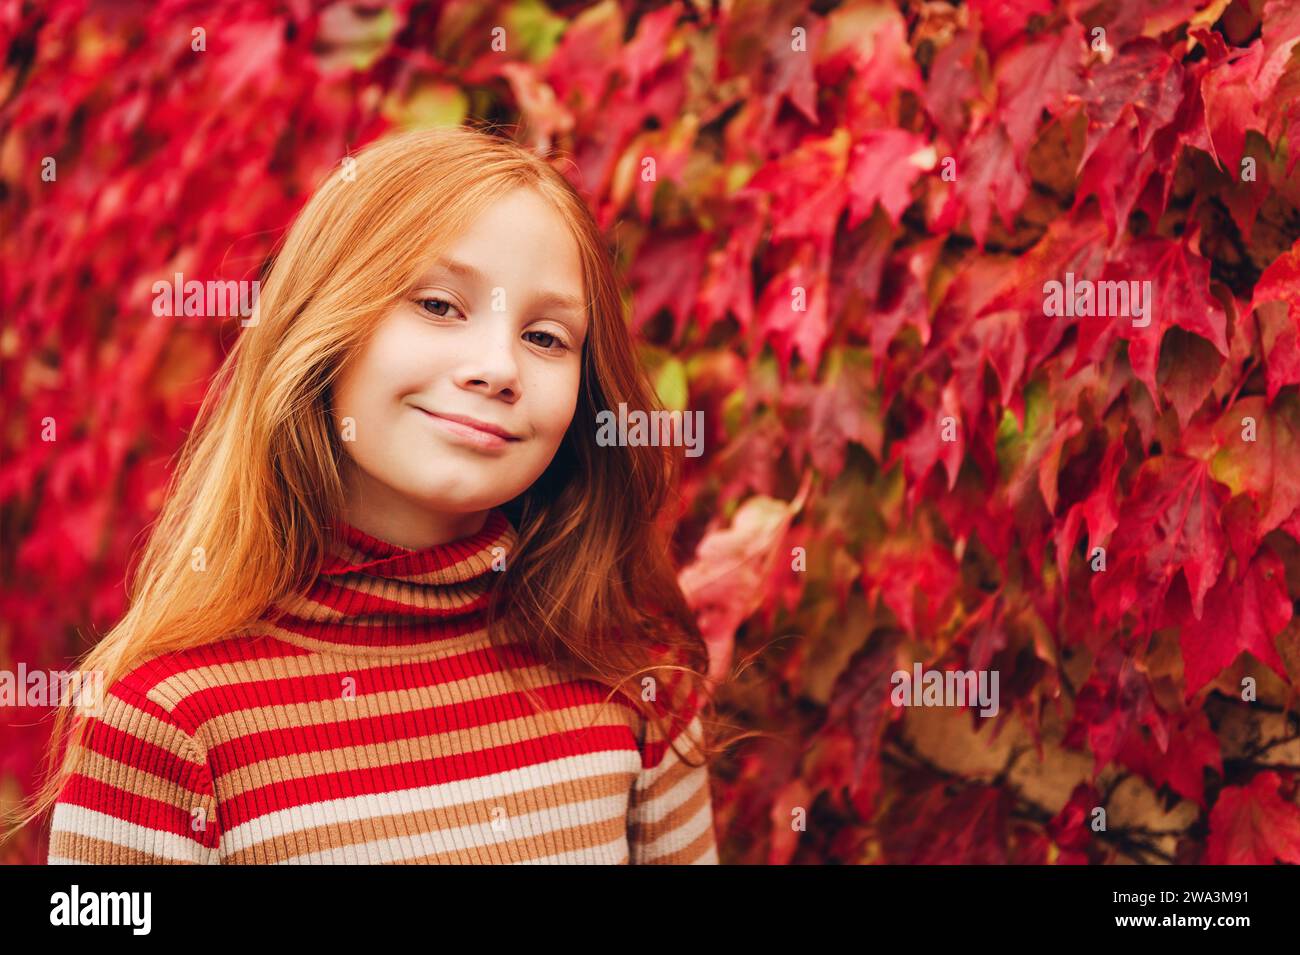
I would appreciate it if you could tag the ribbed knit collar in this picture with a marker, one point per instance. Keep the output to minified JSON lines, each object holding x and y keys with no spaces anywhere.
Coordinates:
{"x":376,"y":598}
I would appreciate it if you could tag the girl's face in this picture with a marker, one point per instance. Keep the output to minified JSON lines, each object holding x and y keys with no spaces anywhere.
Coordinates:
{"x":491,"y":331}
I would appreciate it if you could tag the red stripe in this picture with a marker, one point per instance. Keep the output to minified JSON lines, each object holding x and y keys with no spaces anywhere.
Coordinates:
{"x":230,"y":650}
{"x":370,"y":678}
{"x":143,"y":755}
{"x":340,"y":597}
{"x":393,"y":631}
{"x":392,"y":727}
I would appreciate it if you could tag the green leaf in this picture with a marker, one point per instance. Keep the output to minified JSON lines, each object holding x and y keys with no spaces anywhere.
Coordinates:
{"x":532,"y":26}
{"x":671,"y":386}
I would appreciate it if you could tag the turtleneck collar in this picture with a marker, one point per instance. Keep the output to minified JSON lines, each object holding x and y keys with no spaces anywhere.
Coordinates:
{"x":375,"y":598}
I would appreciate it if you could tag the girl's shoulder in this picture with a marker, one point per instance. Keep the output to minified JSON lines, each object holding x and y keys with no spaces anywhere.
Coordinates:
{"x":184,"y":682}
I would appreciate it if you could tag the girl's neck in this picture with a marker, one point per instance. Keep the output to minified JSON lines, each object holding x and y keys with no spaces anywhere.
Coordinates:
{"x":381,"y":512}
{"x":374,"y":597}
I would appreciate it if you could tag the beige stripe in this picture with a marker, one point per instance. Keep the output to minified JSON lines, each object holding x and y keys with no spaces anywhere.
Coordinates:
{"x":263,"y":669}
{"x":432,"y":650}
{"x":412,"y":824}
{"x":613,"y":853}
{"x":588,"y":836}
{"x":224,"y":727}
{"x":703,"y":849}
{"x":644,"y":827}
{"x":559,"y":821}
{"x":447,"y":576}
{"x":141,"y":783}
{"x":426,"y":587}
{"x":75,"y":847}
{"x":130,"y":719}
{"x":451,"y":597}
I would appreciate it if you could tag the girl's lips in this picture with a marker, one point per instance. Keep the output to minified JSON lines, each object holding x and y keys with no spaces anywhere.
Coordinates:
{"x":467,"y":434}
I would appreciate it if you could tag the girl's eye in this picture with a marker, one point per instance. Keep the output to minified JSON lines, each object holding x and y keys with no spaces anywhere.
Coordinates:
{"x":424,"y":304}
{"x":559,"y":343}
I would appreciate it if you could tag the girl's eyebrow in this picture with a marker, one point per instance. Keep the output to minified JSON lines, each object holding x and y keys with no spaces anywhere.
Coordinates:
{"x":549,"y":299}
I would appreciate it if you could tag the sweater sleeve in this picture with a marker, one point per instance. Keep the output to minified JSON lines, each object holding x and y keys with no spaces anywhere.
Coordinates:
{"x":142,"y":794}
{"x":670,"y":815}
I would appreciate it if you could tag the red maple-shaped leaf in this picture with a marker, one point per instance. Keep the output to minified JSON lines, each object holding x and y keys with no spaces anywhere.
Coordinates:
{"x":1035,"y":77}
{"x":587,"y":55}
{"x":1281,"y":33}
{"x":1180,"y":296}
{"x":1280,"y":328}
{"x":1243,"y":614}
{"x":1099,"y":511}
{"x":1116,"y":174}
{"x":844,"y":409}
{"x":666,"y":275}
{"x":1188,"y":368}
{"x":907,"y":573}
{"x":989,"y":175}
{"x":1258,"y":447}
{"x":806,"y":189}
{"x":1143,"y":80}
{"x":882,"y":168}
{"x":1232,"y":104}
{"x":642,"y":54}
{"x":1254,"y":825}
{"x":728,"y":287}
{"x":792,"y":311}
{"x":1113,"y":704}
{"x":1169,"y":523}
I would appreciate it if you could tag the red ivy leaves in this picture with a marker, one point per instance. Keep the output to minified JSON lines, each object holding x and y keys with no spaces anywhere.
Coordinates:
{"x":850,"y":242}
{"x":1190,"y":750}
{"x":1170,"y":524}
{"x":1254,"y":825}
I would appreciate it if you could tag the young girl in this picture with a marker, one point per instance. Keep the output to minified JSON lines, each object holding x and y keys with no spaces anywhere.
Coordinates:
{"x":400,"y":606}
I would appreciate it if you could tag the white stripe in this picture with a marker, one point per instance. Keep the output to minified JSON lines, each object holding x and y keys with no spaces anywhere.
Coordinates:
{"x":280,"y":823}
{"x":652,"y":810}
{"x":98,"y":825}
{"x":680,"y":837}
{"x":465,"y":837}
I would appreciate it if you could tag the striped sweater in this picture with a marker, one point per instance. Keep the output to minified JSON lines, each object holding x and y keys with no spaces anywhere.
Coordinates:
{"x":369,"y":720}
